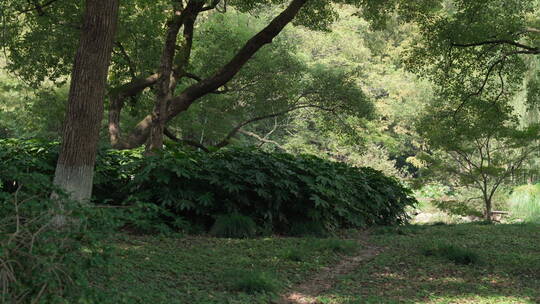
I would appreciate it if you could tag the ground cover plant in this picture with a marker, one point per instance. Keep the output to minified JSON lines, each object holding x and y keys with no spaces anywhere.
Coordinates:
{"x":463,"y":263}
{"x":46,"y":252}
{"x":214,"y":270}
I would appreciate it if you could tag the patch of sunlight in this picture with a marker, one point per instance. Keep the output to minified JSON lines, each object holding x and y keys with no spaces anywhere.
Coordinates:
{"x":129,"y":247}
{"x":391,"y":275}
{"x":451,"y":280}
{"x":477,"y":299}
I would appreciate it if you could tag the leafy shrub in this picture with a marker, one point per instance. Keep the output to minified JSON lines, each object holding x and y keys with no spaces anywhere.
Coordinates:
{"x":275,"y":189}
{"x":252,"y":281}
{"x":23,"y":159}
{"x":456,"y":254}
{"x":525,"y":203}
{"x":313,"y":229}
{"x":39,"y":261}
{"x":234,"y":226}
{"x":457,"y":207}
{"x":112,"y":174}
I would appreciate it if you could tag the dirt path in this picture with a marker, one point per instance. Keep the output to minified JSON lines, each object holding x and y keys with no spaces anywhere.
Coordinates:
{"x":307,"y":292}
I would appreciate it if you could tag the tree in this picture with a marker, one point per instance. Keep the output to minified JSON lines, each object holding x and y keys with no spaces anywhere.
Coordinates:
{"x":479,"y":147}
{"x":75,"y":167}
{"x":472,"y":48}
{"x":135,"y":69}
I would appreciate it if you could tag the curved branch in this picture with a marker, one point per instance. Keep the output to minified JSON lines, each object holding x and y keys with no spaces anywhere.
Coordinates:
{"x":238,"y":127}
{"x":501,"y":41}
{"x":262,"y":139}
{"x":38,"y":7}
{"x":117,"y":98}
{"x":183,"y":101}
{"x":188,"y":142}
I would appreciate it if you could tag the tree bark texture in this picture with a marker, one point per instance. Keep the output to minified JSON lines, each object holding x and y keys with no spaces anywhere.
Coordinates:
{"x":166,"y":85}
{"x":75,"y":168}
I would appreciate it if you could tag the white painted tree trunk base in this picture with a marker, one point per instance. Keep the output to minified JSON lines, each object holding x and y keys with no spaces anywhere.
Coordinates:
{"x":75,"y":181}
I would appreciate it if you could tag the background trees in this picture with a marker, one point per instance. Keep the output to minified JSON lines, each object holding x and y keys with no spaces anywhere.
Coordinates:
{"x":337,"y":81}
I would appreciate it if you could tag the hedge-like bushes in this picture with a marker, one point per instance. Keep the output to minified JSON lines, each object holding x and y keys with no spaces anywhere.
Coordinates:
{"x":274,"y":189}
{"x":277,"y":190}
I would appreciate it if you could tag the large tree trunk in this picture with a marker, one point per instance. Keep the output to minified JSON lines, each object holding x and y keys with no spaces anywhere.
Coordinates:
{"x":171,"y":74}
{"x":75,"y":168}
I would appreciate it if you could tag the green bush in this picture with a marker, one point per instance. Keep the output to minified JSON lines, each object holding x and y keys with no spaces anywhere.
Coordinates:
{"x":112,"y":175}
{"x":274,"y":189}
{"x":313,"y":229}
{"x":252,"y":281}
{"x":456,"y":254}
{"x":525,"y":203}
{"x":41,"y":262}
{"x":234,"y":226}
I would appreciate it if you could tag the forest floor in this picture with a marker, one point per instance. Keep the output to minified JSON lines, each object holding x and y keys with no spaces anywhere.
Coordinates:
{"x":464,"y":263}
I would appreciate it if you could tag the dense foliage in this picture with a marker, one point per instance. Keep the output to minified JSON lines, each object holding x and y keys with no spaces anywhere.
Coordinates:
{"x":277,"y":190}
{"x":40,"y":262}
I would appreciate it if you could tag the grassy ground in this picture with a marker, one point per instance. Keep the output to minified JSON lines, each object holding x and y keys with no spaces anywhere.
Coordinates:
{"x":420,"y":264}
{"x":505,"y":267}
{"x":198,"y":270}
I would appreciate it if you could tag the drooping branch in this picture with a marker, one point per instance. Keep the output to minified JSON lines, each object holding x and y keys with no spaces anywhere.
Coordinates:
{"x":262,"y":139}
{"x":499,"y":42}
{"x":184,"y":100}
{"x":532,"y":30}
{"x":39,"y":8}
{"x":239,"y":126}
{"x":188,"y":142}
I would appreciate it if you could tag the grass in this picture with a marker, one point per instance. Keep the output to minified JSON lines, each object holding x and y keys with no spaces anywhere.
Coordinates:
{"x":524,"y":203}
{"x":463,"y":263}
{"x":460,"y":263}
{"x":252,"y":282}
{"x":205,"y":270}
{"x":451,"y":252}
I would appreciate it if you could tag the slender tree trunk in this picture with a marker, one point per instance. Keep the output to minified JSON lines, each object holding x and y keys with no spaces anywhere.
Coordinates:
{"x":487,"y":201}
{"x":75,"y":168}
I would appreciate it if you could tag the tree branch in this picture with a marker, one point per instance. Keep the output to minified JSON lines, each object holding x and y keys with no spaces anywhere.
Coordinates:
{"x":501,"y":41}
{"x":238,"y":127}
{"x":184,"y":100}
{"x":131,"y":66}
{"x":38,"y":7}
{"x":212,"y":6}
{"x":262,"y":139}
{"x":188,"y":142}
